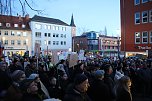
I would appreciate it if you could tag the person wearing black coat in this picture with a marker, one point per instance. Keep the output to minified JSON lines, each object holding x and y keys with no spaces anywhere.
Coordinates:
{"x":98,"y":90}
{"x":77,"y":90}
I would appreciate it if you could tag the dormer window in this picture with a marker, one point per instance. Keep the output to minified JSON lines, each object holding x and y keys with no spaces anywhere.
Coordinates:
{"x":8,"y":25}
{"x":15,"y":25}
{"x":23,"y":26}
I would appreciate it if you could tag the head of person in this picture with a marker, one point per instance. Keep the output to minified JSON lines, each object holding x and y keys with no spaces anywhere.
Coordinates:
{"x":29,"y":86}
{"x":125,"y":82}
{"x":53,"y":81}
{"x":35,"y":77}
{"x":108,"y":69}
{"x":3,"y":66}
{"x":18,"y":76}
{"x":81,"y":82}
{"x":99,"y":74}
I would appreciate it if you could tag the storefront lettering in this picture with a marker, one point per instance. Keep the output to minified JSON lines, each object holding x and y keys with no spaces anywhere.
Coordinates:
{"x":146,"y":47}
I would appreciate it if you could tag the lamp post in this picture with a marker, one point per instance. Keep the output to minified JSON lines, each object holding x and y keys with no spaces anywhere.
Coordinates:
{"x":46,"y":42}
{"x":118,"y":42}
{"x":3,"y":43}
{"x":26,"y":44}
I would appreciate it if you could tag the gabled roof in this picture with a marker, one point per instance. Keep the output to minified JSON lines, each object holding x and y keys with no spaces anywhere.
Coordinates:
{"x":48,"y":20}
{"x":4,"y":19}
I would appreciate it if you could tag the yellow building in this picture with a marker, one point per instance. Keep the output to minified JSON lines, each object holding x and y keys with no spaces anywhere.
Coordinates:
{"x":15,"y":34}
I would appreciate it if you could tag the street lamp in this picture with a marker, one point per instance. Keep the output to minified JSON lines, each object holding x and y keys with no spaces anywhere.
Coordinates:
{"x":46,"y":42}
{"x":3,"y":42}
{"x":118,"y":42}
{"x":26,"y":44}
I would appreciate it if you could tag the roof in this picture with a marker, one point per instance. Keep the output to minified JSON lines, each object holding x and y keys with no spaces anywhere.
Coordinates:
{"x":48,"y":20}
{"x":72,"y":22}
{"x":11,"y":20}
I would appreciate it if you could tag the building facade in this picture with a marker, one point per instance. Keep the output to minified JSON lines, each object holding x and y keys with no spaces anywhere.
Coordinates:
{"x":51,"y":34}
{"x":15,"y":34}
{"x":94,"y":42}
{"x":136,"y":26}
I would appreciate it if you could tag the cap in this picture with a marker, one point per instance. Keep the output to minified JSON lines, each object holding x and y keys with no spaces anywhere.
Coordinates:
{"x":80,"y":78}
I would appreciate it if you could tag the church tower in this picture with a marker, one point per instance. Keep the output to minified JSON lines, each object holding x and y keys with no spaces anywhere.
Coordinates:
{"x":73,"y":27}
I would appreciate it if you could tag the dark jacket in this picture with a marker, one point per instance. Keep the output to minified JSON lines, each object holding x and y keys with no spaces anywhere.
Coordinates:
{"x":31,"y":97}
{"x":74,"y":95}
{"x":123,"y":95}
{"x":99,"y":91}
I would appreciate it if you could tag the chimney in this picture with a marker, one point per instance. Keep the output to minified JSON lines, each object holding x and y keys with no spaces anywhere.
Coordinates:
{"x":20,"y":18}
{"x":27,"y":16}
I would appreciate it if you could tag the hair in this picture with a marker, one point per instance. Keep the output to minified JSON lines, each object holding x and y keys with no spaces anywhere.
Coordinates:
{"x":122,"y":84}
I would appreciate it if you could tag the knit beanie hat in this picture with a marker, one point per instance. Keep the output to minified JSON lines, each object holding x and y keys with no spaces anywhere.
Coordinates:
{"x":80,"y":78}
{"x":17,"y":74}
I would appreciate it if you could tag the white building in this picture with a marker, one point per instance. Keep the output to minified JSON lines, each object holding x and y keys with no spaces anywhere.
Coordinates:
{"x":50,"y":34}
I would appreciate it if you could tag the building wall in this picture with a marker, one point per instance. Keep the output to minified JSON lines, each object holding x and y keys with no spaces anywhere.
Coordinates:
{"x":128,"y":26}
{"x":66,"y":36}
{"x":20,"y":49}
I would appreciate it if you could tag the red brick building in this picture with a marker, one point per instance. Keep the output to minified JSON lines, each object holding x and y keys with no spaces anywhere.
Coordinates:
{"x":136,"y":26}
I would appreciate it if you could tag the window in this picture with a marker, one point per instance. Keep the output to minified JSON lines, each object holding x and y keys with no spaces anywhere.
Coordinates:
{"x":0,"y":24}
{"x":37,"y":34}
{"x":150,"y":36}
{"x":144,"y":1}
{"x":65,"y":36}
{"x":61,"y":42}
{"x":38,"y":26}
{"x":12,"y":33}
{"x":64,"y":42}
{"x":61,"y":35}
{"x":24,"y":34}
{"x":53,"y":42}
{"x":57,"y":35}
{"x":45,"y":34}
{"x":8,"y":25}
{"x":18,"y":33}
{"x":49,"y":42}
{"x":57,"y":42}
{"x":136,"y":2}
{"x":63,"y":28}
{"x":24,"y":42}
{"x":12,"y":42}
{"x":6,"y":33}
{"x":53,"y":34}
{"x":48,"y":27}
{"x":6,"y":42}
{"x":137,"y":18}
{"x":0,"y":32}
{"x":145,"y":37}
{"x":137,"y":37}
{"x":49,"y":34}
{"x":15,"y":25}
{"x":23,"y":26}
{"x":18,"y":42}
{"x":144,"y":16}
{"x":150,"y":16}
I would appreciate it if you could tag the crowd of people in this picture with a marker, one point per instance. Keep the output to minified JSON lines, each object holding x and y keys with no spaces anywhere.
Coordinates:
{"x":37,"y":79}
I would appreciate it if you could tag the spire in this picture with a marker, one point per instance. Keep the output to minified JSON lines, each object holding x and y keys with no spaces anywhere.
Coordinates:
{"x":72,"y":22}
{"x":105,"y":31}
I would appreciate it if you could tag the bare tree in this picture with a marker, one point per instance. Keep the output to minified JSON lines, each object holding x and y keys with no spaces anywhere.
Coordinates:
{"x":6,"y":6}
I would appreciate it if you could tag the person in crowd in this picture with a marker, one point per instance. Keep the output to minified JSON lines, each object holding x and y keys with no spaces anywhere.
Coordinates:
{"x":77,"y":90}
{"x":98,"y":89}
{"x":42,"y":90}
{"x":122,"y":89}
{"x":54,"y":90}
{"x":108,"y":80}
{"x":119,"y":73}
{"x":5,"y":80}
{"x":30,"y":90}
{"x":32,"y":68}
{"x":14,"y":93}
